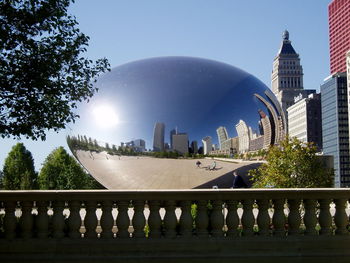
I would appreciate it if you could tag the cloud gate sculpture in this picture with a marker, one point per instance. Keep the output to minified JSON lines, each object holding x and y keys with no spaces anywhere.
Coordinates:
{"x":156,"y":123}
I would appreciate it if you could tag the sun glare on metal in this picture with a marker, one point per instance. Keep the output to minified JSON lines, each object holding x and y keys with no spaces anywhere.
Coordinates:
{"x":105,"y":116}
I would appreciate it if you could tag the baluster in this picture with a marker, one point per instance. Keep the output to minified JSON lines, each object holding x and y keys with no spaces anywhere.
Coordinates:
{"x":154,"y":220}
{"x":186,"y":220}
{"x":170,"y":219}
{"x":123,"y":220}
{"x":278,"y":219}
{"x":263,"y":219}
{"x":26,"y":220}
{"x":107,"y":219}
{"x":139,"y":220}
{"x":340,"y":217}
{"x":294,"y":218}
{"x":325,"y":217}
{"x":74,"y":220}
{"x":90,"y":221}
{"x":202,"y":220}
{"x":232,"y":218}
{"x":10,"y":220}
{"x":58,"y":219}
{"x":42,"y":220}
{"x":310,"y":218}
{"x":217,"y":219}
{"x":248,"y":219}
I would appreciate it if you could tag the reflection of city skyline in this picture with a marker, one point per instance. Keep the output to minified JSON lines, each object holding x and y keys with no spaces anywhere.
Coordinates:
{"x":271,"y":129}
{"x":191,"y":104}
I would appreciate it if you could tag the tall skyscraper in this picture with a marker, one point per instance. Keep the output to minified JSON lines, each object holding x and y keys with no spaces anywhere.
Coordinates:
{"x":180,"y":143}
{"x":172,"y":132}
{"x":305,"y":121}
{"x":266,"y":130}
{"x":158,"y":137}
{"x":194,"y":147}
{"x":335,"y":127}
{"x":243,"y":136}
{"x":339,"y":34}
{"x":287,"y":73}
{"x":207,"y":144}
{"x":222,"y":135}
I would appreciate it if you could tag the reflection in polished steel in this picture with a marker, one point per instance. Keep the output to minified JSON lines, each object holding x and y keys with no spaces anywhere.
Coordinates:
{"x":153,"y":119}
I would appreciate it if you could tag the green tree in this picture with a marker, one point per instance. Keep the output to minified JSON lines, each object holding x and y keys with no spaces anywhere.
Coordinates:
{"x":62,"y":172}
{"x":1,"y":180}
{"x":43,"y":73}
{"x":292,"y":164}
{"x":18,"y":171}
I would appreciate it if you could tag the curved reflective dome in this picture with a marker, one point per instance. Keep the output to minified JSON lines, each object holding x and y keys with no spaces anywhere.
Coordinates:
{"x":153,"y":121}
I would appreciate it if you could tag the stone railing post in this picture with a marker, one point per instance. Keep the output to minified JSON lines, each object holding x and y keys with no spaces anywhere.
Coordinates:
{"x":294,"y":218}
{"x":248,"y":219}
{"x":74,"y":220}
{"x":42,"y":219}
{"x":202,"y":220}
{"x":10,"y":220}
{"x":278,"y":219}
{"x":325,"y":217}
{"x":170,"y":219}
{"x":26,"y":220}
{"x":263,"y":219}
{"x":138,"y":220}
{"x":232,"y":218}
{"x":217,"y":219}
{"x":90,"y":220}
{"x":123,"y":220}
{"x":186,"y":221}
{"x":340,"y":217}
{"x":310,"y":218}
{"x":154,"y":220}
{"x":58,"y":219}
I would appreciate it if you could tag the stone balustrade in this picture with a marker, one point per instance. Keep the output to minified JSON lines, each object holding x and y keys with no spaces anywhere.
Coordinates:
{"x":172,"y":217}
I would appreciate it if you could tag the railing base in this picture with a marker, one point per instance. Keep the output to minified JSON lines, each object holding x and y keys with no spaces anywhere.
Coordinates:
{"x":243,"y":249}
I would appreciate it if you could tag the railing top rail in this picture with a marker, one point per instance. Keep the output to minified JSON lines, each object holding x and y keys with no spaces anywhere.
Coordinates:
{"x":180,"y":194}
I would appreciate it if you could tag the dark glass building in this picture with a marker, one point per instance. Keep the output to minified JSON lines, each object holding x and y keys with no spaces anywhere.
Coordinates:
{"x":335,"y":128}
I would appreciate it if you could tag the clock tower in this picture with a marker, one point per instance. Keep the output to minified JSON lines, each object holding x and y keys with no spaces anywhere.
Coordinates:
{"x":287,"y":74}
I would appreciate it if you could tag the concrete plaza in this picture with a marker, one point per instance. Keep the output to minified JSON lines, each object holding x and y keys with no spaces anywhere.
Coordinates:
{"x":140,"y":172}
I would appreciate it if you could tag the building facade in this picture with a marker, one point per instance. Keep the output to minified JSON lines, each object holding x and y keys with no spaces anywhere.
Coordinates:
{"x":335,"y":126}
{"x":180,"y":143}
{"x":207,"y":144}
{"x":265,"y":130}
{"x":305,"y":120}
{"x":348,"y":77}
{"x":339,"y":34}
{"x":172,"y":132}
{"x":222,"y":135}
{"x":158,"y":137}
{"x":194,"y":147}
{"x":287,"y":73}
{"x":243,"y":136}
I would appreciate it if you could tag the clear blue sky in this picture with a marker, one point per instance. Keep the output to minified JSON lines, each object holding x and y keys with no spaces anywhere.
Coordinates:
{"x":243,"y":33}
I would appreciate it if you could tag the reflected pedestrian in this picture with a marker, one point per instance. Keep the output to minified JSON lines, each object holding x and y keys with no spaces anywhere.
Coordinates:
{"x":238,"y":181}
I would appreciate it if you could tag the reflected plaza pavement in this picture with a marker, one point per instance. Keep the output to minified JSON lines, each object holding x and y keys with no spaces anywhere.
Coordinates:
{"x":141,"y":172}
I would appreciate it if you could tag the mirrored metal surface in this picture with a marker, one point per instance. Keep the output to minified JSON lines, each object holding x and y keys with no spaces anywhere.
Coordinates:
{"x":153,"y":122}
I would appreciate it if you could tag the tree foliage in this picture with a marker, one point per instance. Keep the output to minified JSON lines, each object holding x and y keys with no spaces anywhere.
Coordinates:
{"x":61,"y":171}
{"x":292,"y":164}
{"x":18,"y":171}
{"x":43,"y":73}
